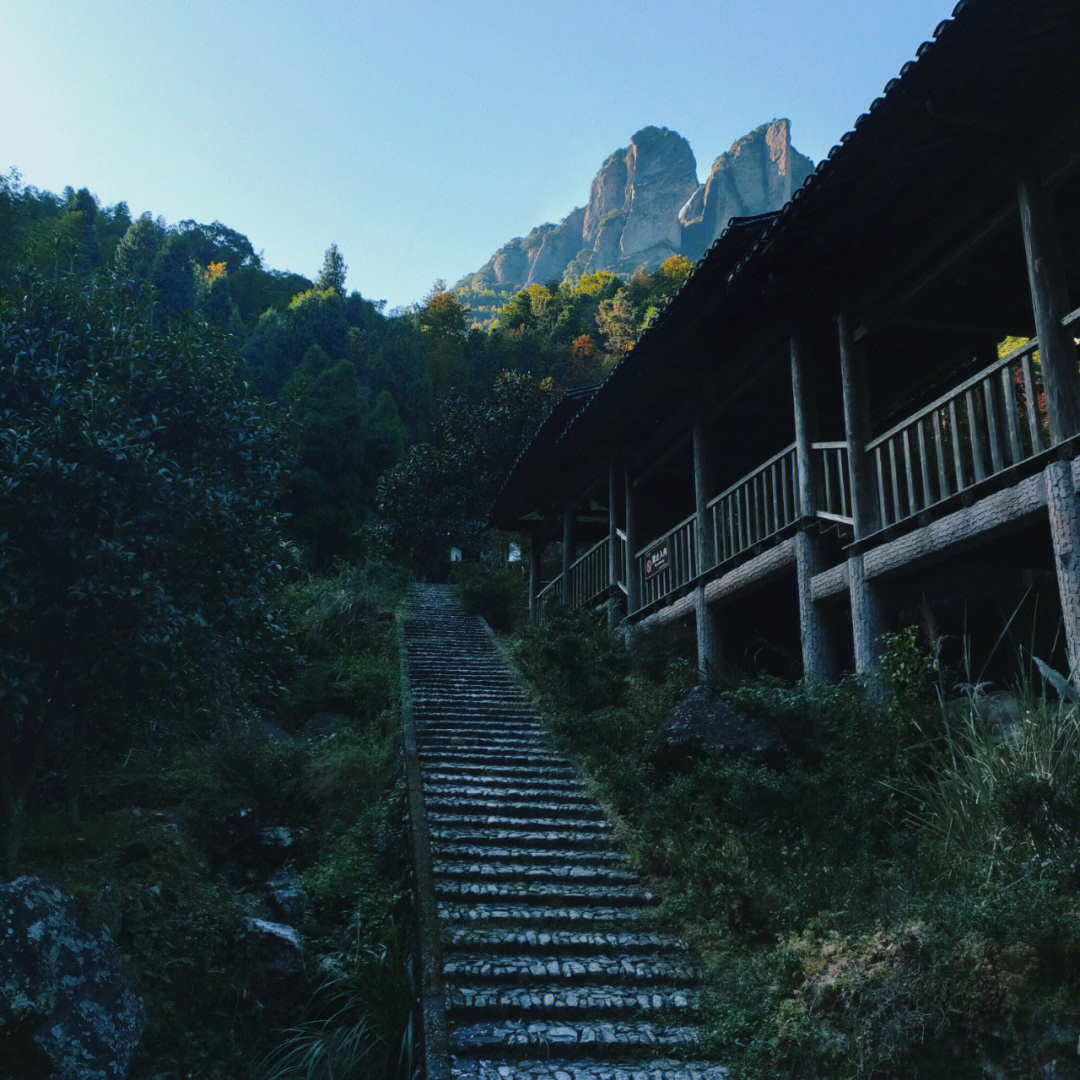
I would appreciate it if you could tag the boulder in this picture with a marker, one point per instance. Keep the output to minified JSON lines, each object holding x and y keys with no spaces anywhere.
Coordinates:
{"x":61,"y":991}
{"x":703,"y":723}
{"x":288,"y":903}
{"x":271,"y":847}
{"x":272,"y":951}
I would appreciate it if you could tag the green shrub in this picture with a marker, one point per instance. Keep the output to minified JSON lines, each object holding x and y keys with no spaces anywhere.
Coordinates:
{"x":138,"y":505}
{"x":493,"y":589}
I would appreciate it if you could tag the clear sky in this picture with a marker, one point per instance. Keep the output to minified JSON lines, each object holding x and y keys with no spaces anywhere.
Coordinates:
{"x":417,"y":135}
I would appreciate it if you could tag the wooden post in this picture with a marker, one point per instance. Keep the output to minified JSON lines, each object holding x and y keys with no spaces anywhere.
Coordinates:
{"x":708,"y":624}
{"x":703,"y":491}
{"x":867,"y":609}
{"x":1050,"y":299}
{"x":613,"y":604}
{"x":805,"y":415}
{"x":633,"y":592}
{"x":1061,"y":382}
{"x":535,"y":551}
{"x":568,"y":552}
{"x":818,"y":646}
{"x":858,"y":430}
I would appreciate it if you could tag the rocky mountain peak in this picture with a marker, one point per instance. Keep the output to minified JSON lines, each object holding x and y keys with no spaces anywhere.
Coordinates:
{"x":646,"y":204}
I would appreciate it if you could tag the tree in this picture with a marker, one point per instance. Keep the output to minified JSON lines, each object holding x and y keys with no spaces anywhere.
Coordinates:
{"x":332,"y":274}
{"x":441,"y":493}
{"x":138,"y":247}
{"x":140,"y":542}
{"x":172,"y":274}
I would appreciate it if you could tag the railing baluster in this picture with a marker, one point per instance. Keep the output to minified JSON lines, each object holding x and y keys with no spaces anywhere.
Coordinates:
{"x":774,"y":479}
{"x":924,"y":464}
{"x":790,"y":489}
{"x":1008,"y":390}
{"x":977,"y":447}
{"x":1032,"y":406}
{"x":958,"y":465}
{"x":944,"y":491}
{"x":993,"y":434}
{"x":881,"y":487}
{"x":759,"y":508}
{"x":898,"y":513}
{"x":909,"y":475}
{"x":843,"y":478}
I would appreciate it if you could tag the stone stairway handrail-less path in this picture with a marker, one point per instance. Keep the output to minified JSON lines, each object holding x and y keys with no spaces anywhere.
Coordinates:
{"x":553,"y":961}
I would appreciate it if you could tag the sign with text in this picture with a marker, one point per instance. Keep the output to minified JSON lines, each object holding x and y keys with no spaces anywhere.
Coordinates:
{"x":656,"y":560}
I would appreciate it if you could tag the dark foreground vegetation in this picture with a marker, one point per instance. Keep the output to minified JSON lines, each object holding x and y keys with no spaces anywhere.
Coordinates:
{"x":893,"y":893}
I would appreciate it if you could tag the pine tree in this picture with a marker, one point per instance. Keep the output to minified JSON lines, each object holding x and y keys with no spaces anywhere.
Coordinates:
{"x":332,"y":275}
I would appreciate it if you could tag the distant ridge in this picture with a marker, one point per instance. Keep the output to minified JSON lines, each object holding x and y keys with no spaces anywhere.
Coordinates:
{"x":646,"y":204}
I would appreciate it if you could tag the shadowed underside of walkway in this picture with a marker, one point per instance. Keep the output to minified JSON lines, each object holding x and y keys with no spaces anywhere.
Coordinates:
{"x":553,"y":960}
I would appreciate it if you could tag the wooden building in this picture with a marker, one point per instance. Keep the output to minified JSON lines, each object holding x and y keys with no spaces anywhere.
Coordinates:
{"x":823,"y":404}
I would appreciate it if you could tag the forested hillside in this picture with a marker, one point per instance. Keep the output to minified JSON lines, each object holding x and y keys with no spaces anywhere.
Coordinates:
{"x":357,"y":393}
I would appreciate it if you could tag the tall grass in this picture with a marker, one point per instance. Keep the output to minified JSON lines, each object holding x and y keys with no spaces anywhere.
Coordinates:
{"x":361,"y":1024}
{"x":995,"y":790}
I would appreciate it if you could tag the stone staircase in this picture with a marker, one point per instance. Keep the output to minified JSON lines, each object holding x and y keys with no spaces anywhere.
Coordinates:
{"x":554,"y":964}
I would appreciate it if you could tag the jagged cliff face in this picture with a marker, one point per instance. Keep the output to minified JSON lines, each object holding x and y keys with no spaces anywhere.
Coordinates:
{"x":646,"y":204}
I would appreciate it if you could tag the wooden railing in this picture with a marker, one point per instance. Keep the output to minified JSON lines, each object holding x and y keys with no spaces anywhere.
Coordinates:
{"x":833,"y":481}
{"x":551,"y":595}
{"x":756,"y":507}
{"x":667,"y":563}
{"x":991,"y":422}
{"x":589,"y":575}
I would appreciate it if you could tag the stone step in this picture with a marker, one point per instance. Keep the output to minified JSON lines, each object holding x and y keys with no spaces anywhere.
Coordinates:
{"x":535,"y":917}
{"x":488,"y":739}
{"x":536,"y":760}
{"x":558,"y":894}
{"x":516,"y":941}
{"x":560,"y":1001}
{"x":519,"y":969}
{"x":459,"y":828}
{"x":553,"y":873}
{"x":525,"y":774}
{"x":486,"y":730}
{"x":465,"y":1068}
{"x":611,"y":1039}
{"x":532,"y":810}
{"x":529,"y":857}
{"x":470,"y":794}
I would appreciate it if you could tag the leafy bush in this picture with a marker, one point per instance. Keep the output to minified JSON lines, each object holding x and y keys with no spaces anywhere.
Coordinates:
{"x":493,"y":589}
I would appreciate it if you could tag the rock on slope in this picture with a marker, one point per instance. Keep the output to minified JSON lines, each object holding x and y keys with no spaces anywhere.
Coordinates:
{"x":646,"y":204}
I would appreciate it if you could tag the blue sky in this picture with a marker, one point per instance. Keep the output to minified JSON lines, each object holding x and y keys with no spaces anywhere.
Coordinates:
{"x":418,"y":136}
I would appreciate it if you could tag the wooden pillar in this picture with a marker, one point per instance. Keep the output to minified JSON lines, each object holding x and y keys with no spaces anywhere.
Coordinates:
{"x":1061,"y":381}
{"x":535,"y":551}
{"x":867,"y":609}
{"x":633,"y":591}
{"x":1063,"y":508}
{"x":815,"y":633}
{"x":703,"y":492}
{"x":614,"y":605}
{"x":1050,"y":300}
{"x":569,"y":553}
{"x":706,"y":617}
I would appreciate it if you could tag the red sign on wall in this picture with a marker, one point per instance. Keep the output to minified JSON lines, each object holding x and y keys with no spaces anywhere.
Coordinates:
{"x":656,"y":560}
